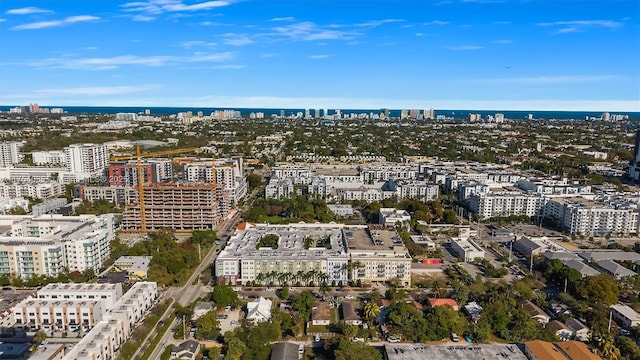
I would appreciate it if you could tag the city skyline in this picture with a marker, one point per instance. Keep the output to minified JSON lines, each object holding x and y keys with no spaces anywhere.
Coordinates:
{"x":468,"y":54}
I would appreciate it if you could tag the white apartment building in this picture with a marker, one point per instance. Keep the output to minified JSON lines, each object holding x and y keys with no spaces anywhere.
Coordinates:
{"x":46,"y":190}
{"x":107,"y":336}
{"x":229,"y":174}
{"x":58,"y":315}
{"x":488,"y":205}
{"x":132,"y":307}
{"x":553,"y":186}
{"x":36,"y":174}
{"x":87,"y":158}
{"x":53,"y":157}
{"x":101,"y":343}
{"x":46,"y":244}
{"x":392,"y":216}
{"x":580,"y":216}
{"x":48,"y":206}
{"x":11,"y":152}
{"x":376,"y":254}
{"x":108,"y":294}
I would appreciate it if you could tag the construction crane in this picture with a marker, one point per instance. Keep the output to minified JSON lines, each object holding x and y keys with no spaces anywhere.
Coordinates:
{"x":140,"y":170}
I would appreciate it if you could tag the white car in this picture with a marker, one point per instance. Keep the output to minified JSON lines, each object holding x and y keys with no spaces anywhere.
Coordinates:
{"x":393,"y":339}
{"x":349,"y":297}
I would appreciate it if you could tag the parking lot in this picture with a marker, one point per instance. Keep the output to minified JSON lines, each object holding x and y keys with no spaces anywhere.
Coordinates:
{"x":231,"y":321}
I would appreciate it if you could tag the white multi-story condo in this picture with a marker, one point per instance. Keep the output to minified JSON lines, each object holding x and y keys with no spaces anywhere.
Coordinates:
{"x":58,"y":315}
{"x":87,"y":158}
{"x":11,"y":152}
{"x":305,"y":253}
{"x":108,"y":294}
{"x":53,"y":157}
{"x":47,"y":244}
{"x":580,"y":216}
{"x":229,"y":174}
{"x":45,"y":190}
{"x":488,"y":205}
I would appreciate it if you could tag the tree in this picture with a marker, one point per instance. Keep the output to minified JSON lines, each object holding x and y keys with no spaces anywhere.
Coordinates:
{"x":599,"y":289}
{"x":371,"y":311}
{"x":607,"y":348}
{"x":628,"y":347}
{"x":203,"y":237}
{"x":253,"y":180}
{"x":303,"y":304}
{"x":284,"y":292}
{"x":207,"y":326}
{"x":39,"y":337}
{"x":224,"y":295}
{"x":347,"y":350}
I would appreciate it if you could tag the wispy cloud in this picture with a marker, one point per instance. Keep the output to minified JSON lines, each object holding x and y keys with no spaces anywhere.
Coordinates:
{"x":197,"y":43}
{"x":269,"y":55}
{"x":320,"y":56}
{"x":27,"y":11}
{"x":501,"y":23}
{"x":56,"y":23}
{"x":236,"y":39}
{"x":436,"y":22}
{"x":163,"y":6}
{"x":375,"y":23}
{"x":308,"y":31}
{"x":229,"y":67}
{"x":464,"y":47}
{"x":564,"y":27}
{"x":553,"y":79}
{"x":142,"y":18}
{"x":115,"y":62}
{"x":97,"y":90}
{"x":286,"y":18}
{"x":502,"y":41}
{"x":3,"y":20}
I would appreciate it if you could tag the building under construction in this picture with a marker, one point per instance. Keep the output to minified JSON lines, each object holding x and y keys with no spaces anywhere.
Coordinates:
{"x":178,"y":206}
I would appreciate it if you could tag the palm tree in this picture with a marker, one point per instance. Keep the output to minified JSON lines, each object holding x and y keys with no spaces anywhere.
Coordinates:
{"x":608,"y":349}
{"x":371,"y":312}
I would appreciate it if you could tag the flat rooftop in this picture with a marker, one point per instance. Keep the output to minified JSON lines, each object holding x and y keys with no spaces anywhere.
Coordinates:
{"x":373,"y":237}
{"x":455,"y":351}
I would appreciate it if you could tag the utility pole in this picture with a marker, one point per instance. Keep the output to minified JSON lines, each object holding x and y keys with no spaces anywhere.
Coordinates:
{"x":565,"y":284}
{"x":610,"y":315}
{"x":184,"y":329}
{"x":510,"y":249}
{"x":531,"y":265}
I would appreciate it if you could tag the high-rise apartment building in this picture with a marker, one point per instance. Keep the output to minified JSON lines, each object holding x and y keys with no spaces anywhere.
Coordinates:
{"x":11,"y":152}
{"x":87,"y":158}
{"x":125,"y":173}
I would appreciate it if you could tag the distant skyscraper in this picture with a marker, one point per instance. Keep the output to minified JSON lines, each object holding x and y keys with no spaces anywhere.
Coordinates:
{"x":281,"y":113}
{"x":413,"y":113}
{"x":147,"y":112}
{"x":385,"y":111}
{"x":34,"y":108}
{"x":634,"y":167}
{"x":499,"y":118}
{"x":338,"y":114}
{"x":529,"y":116}
{"x":316,"y":113}
{"x":475,"y":117}
{"x":325,"y":113}
{"x":606,"y":116}
{"x":10,"y":153}
{"x":429,"y":114}
{"x":307,"y":113}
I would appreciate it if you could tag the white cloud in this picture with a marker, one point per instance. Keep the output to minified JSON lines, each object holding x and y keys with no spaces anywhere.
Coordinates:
{"x":3,"y":20}
{"x":420,"y":34}
{"x":286,"y":18}
{"x":464,"y":47}
{"x":56,"y":23}
{"x":565,"y":27}
{"x":501,"y":23}
{"x":309,"y":31}
{"x":118,"y":61}
{"x":375,"y":23}
{"x":163,"y":6}
{"x":142,"y":18}
{"x":269,"y":55}
{"x":197,"y":43}
{"x":27,"y":11}
{"x":236,"y":39}
{"x":91,"y":48}
{"x":553,"y":79}
{"x":436,"y":22}
{"x":97,"y":90}
{"x":229,"y":67}
{"x":502,"y":41}
{"x":320,"y":56}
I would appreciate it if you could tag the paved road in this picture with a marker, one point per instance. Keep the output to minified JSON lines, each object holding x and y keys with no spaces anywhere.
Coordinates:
{"x":188,"y":293}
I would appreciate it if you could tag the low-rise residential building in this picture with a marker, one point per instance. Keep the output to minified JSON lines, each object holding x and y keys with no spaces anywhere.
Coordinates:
{"x":8,"y":300}
{"x":102,"y":342}
{"x":259,"y":310}
{"x":392,"y":216}
{"x":36,"y":190}
{"x":108,"y":294}
{"x":187,"y":350}
{"x":467,"y":249}
{"x":625,"y":316}
{"x":321,"y":313}
{"x":342,"y":210}
{"x":566,"y":350}
{"x":535,"y":312}
{"x":561,"y":330}
{"x":58,"y":315}
{"x":47,"y":244}
{"x":135,"y":266}
{"x":48,"y":206}
{"x":286,"y":351}
{"x":351,"y":313}
{"x":614,"y":269}
{"x":434,"y":302}
{"x":134,"y":304}
{"x":579,"y":330}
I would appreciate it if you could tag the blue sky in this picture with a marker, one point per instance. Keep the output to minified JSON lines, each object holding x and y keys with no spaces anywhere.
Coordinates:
{"x":457,"y":54}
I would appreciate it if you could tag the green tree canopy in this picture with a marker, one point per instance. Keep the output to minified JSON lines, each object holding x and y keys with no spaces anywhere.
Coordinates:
{"x":224,"y":295}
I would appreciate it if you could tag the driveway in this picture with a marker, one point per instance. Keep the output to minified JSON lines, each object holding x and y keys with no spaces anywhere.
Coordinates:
{"x":231,"y":322}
